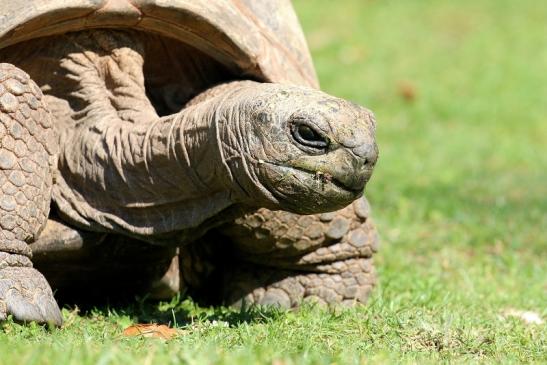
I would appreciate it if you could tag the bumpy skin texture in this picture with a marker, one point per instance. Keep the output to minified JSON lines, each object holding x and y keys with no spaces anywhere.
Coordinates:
{"x":281,"y":258}
{"x":236,"y":147}
{"x":288,"y":258}
{"x":27,"y":156}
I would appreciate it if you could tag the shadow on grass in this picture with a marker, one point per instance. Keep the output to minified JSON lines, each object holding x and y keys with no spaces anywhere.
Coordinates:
{"x":181,"y":313}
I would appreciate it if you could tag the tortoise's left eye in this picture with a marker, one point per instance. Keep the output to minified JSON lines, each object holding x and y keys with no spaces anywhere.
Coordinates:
{"x":308,"y":136}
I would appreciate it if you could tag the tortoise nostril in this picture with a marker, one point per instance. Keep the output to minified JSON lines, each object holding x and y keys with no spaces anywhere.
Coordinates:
{"x":367,"y":152}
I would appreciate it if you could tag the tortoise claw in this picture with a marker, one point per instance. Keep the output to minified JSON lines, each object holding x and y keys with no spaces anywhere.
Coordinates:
{"x":26,"y":294}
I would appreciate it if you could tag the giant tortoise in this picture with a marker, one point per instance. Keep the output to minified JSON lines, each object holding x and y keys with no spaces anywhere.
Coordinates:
{"x":163,"y":145}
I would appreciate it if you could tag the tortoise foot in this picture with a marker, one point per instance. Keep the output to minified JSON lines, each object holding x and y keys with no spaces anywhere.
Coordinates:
{"x":25,"y":294}
{"x":346,"y":283}
{"x":282,"y":259}
{"x":285,"y":259}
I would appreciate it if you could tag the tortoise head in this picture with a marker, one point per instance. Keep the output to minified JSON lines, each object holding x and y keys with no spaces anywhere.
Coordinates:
{"x":312,"y":152}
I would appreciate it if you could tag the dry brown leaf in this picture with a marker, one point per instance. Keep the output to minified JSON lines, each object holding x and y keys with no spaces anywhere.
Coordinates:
{"x":151,"y":330}
{"x":407,"y":91}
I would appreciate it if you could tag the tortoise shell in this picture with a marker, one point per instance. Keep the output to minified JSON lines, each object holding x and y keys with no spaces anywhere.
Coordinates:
{"x":259,"y":39}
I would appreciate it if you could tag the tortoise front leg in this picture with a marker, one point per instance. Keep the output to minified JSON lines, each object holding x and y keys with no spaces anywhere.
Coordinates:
{"x":27,"y":150}
{"x":280,"y":258}
{"x":285,"y":258}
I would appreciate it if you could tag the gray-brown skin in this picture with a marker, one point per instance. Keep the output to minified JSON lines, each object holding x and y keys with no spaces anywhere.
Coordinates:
{"x":282,"y":258}
{"x":168,"y":180}
{"x":28,"y":149}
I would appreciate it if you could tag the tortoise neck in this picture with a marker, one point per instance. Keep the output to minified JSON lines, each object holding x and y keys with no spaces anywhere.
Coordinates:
{"x":121,"y":167}
{"x":203,"y":149}
{"x":144,"y":178}
{"x":180,"y":154}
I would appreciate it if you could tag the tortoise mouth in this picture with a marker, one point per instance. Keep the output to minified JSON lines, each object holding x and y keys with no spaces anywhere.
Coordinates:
{"x":292,"y":184}
{"x":320,"y":177}
{"x":324,"y":178}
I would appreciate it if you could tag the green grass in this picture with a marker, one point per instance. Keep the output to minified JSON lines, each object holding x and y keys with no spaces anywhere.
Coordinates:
{"x":459,"y":195}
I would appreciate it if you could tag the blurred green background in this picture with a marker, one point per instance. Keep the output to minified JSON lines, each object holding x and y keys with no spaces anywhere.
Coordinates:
{"x":460,"y":94}
{"x":459,"y":195}
{"x":459,"y":89}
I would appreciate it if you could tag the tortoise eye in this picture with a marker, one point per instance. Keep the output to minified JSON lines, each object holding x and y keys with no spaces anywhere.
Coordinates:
{"x":309,"y":137}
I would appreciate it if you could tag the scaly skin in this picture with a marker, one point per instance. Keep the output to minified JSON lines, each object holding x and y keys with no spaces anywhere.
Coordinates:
{"x":281,"y":258}
{"x":287,"y":258}
{"x":27,"y":155}
{"x":237,"y":147}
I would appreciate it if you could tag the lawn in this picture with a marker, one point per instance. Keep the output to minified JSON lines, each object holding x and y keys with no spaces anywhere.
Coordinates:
{"x":459,"y":89}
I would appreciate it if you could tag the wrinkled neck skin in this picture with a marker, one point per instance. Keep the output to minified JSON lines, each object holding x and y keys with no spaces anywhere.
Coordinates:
{"x":160,"y":178}
{"x":124,"y":169}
